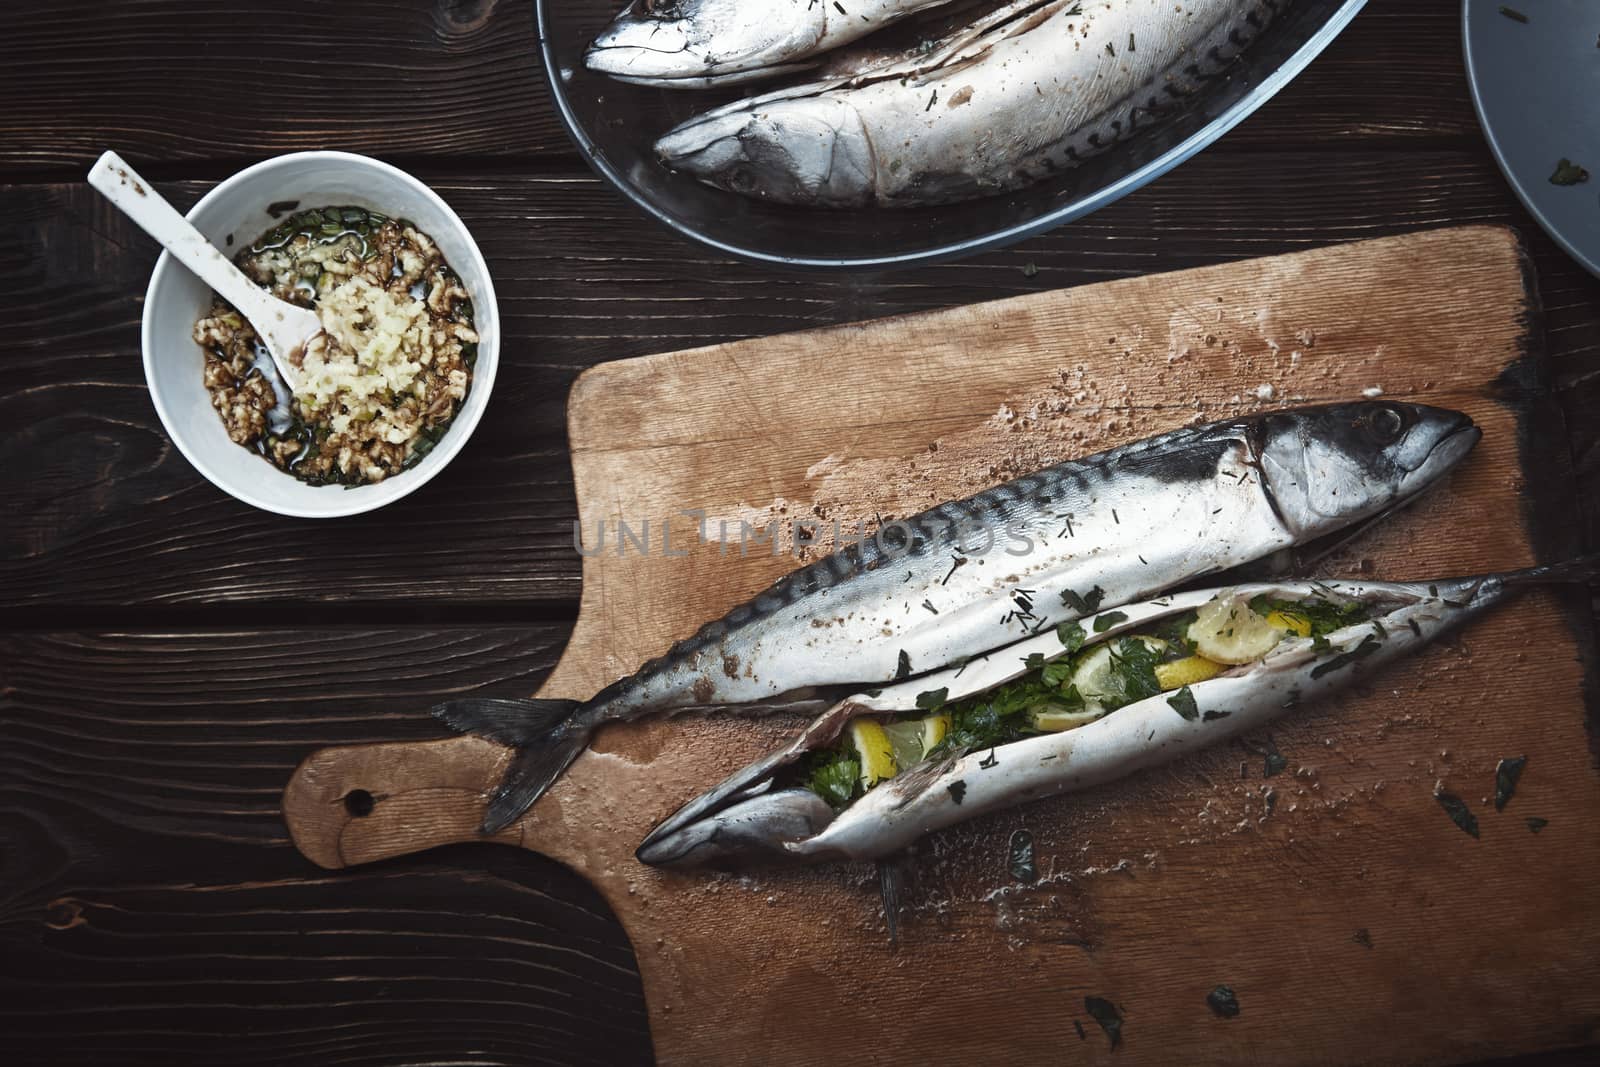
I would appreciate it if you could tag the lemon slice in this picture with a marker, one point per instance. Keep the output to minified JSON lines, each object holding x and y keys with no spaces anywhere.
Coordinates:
{"x":874,"y":750}
{"x":912,"y":740}
{"x":1227,"y":631}
{"x":1186,"y":671}
{"x":1298,"y":625}
{"x":1053,"y":720}
{"x":1096,"y":680}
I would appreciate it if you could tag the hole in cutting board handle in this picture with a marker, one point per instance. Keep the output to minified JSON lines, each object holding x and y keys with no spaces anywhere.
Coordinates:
{"x":359,"y":803}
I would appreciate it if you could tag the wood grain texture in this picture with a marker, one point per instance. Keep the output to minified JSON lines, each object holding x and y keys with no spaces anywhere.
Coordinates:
{"x":106,"y":529}
{"x":168,"y":84}
{"x":1157,"y":888}
{"x":153,"y":911}
{"x":109,"y":514}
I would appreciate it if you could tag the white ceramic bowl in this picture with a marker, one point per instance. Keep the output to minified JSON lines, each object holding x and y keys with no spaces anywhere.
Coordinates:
{"x":176,"y":298}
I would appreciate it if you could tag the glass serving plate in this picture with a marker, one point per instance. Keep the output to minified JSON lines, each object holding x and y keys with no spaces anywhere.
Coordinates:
{"x":614,"y":125}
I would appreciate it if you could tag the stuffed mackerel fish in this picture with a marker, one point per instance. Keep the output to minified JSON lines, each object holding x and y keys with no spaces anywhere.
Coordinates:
{"x":1085,"y":704}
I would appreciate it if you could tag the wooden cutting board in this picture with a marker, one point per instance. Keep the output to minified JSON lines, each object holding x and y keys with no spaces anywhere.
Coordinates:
{"x":1353,"y":919}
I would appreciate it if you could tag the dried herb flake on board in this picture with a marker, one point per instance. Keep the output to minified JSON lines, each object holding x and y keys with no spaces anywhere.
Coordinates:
{"x":1076,"y":1025}
{"x":1222,"y":1002}
{"x":1273,"y":762}
{"x":903,"y":668}
{"x":1363,"y":938}
{"x":1023,"y":868}
{"x":1105,"y":1013}
{"x":958,"y":791}
{"x":1535,"y":824}
{"x":1458,"y":811}
{"x":1506,"y":774}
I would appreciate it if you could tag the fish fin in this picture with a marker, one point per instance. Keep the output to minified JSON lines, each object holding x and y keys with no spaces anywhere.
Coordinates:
{"x":506,"y":722}
{"x":1580,"y":570}
{"x":531,"y":771}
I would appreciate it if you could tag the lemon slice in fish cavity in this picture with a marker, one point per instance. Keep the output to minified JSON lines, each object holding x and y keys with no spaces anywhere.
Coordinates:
{"x":874,"y":750}
{"x":1096,"y":677}
{"x":1228,"y":631}
{"x":912,"y":740}
{"x":1190,"y":670}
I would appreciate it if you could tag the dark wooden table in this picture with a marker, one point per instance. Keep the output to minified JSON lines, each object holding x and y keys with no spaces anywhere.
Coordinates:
{"x":169,"y":655}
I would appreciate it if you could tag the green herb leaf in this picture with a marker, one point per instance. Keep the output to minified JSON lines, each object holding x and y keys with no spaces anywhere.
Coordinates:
{"x":933,"y":699}
{"x":1034,"y":662}
{"x":1057,"y":672}
{"x":1086,"y":604}
{"x":1022,"y":865}
{"x":958,"y":791}
{"x":1102,"y":623}
{"x":835,"y":779}
{"x":1458,"y":811}
{"x":1222,"y":1002}
{"x":1071,"y":636}
{"x":1183,"y":703}
{"x":1367,"y":647}
{"x":1105,"y":1013}
{"x":1568,"y":173}
{"x":903,"y":669}
{"x":1506,"y":774}
{"x":1213,"y":716}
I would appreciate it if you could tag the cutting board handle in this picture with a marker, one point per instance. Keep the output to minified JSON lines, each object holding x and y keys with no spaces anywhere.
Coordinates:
{"x":357,"y":804}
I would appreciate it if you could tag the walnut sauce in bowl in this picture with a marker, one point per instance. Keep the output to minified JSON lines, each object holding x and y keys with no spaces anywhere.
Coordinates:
{"x":392,"y":392}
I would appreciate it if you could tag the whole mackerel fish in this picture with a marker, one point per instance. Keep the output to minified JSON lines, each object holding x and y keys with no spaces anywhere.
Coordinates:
{"x":1029,"y":90}
{"x":976,"y":574}
{"x":694,"y":44}
{"x":749,"y":821}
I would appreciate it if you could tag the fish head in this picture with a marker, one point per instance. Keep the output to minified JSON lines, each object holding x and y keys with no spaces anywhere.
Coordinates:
{"x":669,"y":39}
{"x":751,"y":832}
{"x":807,"y":150}
{"x":1326,"y":467}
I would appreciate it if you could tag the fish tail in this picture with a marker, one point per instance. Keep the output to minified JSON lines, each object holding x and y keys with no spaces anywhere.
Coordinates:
{"x":1580,"y":570}
{"x":545,"y":734}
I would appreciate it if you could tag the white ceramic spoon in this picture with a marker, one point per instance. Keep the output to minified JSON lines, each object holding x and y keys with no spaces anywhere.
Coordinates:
{"x":282,"y":327}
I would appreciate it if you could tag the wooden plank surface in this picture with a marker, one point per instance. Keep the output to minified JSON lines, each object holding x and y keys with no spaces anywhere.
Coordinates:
{"x":1257,"y":874}
{"x":154,"y":911}
{"x":107,"y":531}
{"x":170,"y":89}
{"x":101,"y":487}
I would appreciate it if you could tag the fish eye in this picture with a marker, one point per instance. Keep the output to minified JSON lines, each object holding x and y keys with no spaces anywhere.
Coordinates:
{"x":1386,"y":424}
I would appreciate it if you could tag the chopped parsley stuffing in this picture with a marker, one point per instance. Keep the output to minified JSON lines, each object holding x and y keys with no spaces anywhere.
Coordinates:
{"x":1078,"y":686}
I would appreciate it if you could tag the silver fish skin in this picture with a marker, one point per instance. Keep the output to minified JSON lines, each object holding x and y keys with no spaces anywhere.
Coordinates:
{"x":779,"y":827}
{"x":700,"y":43}
{"x":932,"y":590}
{"x":1033,"y":94}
